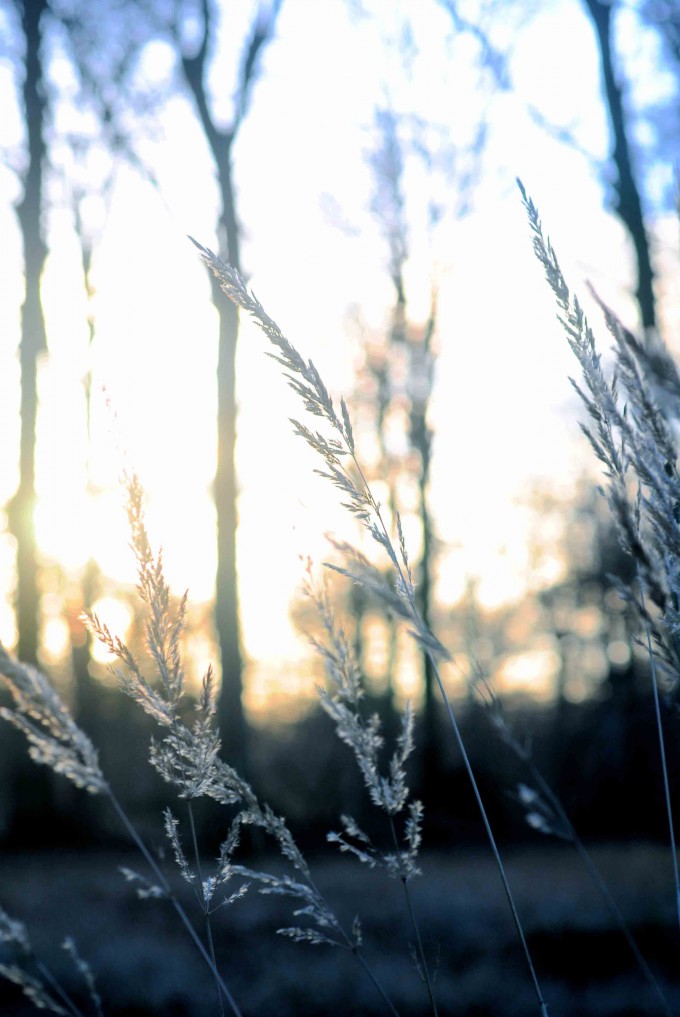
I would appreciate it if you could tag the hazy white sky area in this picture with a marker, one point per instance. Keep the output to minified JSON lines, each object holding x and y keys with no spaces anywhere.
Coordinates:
{"x":503,"y":411}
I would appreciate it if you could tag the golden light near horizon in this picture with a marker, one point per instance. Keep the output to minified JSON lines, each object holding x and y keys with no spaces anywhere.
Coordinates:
{"x":498,"y":409}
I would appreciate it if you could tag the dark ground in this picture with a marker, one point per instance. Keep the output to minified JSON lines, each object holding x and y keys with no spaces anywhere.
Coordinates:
{"x":145,"y":964}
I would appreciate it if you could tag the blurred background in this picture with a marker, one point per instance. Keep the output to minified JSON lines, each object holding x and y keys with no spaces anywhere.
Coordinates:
{"x":357,"y":162}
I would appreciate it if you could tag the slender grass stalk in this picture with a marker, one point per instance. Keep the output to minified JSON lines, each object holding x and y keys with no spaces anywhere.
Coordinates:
{"x":634,"y":439}
{"x":354,"y":948}
{"x":188,"y":757}
{"x":305,"y":380}
{"x":492,"y":842}
{"x":172,"y":897}
{"x":662,"y":748}
{"x":599,"y":882}
{"x":163,"y":631}
{"x":555,"y":821}
{"x":15,"y":934}
{"x":422,"y":960}
{"x":427,"y":639}
{"x":387,"y":790}
{"x":205,"y":906}
{"x":623,"y":924}
{"x":56,"y":1000}
{"x":57,"y":988}
{"x":86,"y":974}
{"x":369,"y":971}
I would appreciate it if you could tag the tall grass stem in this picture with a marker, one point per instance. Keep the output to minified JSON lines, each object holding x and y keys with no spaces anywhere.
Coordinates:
{"x":492,"y":840}
{"x":208,"y":923}
{"x":599,"y":882}
{"x":662,"y":746}
{"x":470,"y":773}
{"x":57,"y":988}
{"x":369,"y":971}
{"x":416,"y":931}
{"x":150,"y":860}
{"x":307,"y":383}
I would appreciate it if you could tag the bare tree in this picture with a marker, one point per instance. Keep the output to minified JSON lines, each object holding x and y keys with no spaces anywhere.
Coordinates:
{"x":29,"y":795}
{"x":627,"y":186}
{"x":627,"y":202}
{"x":398,"y":374}
{"x":127,"y":110}
{"x":221,"y":141}
{"x":30,"y":214}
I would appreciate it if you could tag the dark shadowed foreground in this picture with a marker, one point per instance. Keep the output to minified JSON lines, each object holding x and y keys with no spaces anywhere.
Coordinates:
{"x":145,"y":964}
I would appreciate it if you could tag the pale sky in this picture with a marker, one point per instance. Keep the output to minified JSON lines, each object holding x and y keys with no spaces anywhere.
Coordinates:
{"x":503,"y":411}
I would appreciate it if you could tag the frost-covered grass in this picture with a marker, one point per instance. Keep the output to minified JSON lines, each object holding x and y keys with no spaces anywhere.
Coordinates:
{"x":143,"y":965}
{"x":412,"y":956}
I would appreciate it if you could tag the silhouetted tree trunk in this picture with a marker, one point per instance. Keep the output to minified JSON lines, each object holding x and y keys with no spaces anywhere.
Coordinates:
{"x":29,"y":791}
{"x":389,"y":208}
{"x":231,"y":714}
{"x":120,"y":106}
{"x":33,"y":340}
{"x":421,"y":441}
{"x":379,"y":370}
{"x":628,"y":204}
{"x":85,"y":699}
